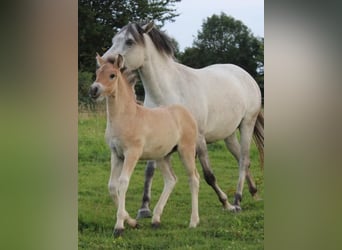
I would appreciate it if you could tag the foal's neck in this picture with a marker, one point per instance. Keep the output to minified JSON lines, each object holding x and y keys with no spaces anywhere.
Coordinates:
{"x":122,"y":102}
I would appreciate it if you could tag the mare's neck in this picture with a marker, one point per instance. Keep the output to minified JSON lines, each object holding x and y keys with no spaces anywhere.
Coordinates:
{"x":158,"y":74}
{"x":122,"y":102}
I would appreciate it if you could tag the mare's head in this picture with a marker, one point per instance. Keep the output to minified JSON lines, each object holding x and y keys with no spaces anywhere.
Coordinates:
{"x":107,"y":76}
{"x":131,"y":43}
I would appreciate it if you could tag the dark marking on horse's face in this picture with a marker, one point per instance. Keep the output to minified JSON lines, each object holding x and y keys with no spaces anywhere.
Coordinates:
{"x":111,"y":60}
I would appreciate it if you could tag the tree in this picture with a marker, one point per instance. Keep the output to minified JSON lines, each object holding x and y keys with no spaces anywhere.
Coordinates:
{"x":226,"y":40}
{"x":99,"y":20}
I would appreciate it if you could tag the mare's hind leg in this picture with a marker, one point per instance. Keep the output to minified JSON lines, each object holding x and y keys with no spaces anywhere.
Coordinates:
{"x":169,"y":182}
{"x":144,"y":211}
{"x":202,"y":153}
{"x":233,"y":146}
{"x":246,"y":130}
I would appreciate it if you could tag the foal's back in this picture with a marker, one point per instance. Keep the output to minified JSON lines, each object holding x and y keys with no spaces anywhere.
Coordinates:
{"x":164,"y":128}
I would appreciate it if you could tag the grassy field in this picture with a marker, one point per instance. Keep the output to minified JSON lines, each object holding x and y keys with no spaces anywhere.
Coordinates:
{"x":218,"y":229}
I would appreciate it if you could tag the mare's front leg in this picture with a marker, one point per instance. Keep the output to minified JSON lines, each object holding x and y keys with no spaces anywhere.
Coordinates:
{"x":144,"y":211}
{"x":131,"y":158}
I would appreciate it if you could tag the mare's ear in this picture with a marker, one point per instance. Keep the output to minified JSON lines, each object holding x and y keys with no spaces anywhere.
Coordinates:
{"x":99,"y":60}
{"x":120,"y":61}
{"x":148,"y":27}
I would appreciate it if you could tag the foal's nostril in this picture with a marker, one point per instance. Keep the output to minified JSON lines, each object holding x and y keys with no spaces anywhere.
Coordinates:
{"x":93,"y":92}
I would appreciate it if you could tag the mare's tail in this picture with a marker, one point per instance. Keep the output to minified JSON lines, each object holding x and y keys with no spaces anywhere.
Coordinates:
{"x":259,"y":137}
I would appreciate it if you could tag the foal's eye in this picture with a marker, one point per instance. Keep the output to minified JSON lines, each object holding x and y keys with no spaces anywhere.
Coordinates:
{"x":112,"y":76}
{"x":129,"y":42}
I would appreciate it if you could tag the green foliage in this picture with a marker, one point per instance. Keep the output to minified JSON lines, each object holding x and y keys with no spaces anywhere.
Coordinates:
{"x":226,"y":40}
{"x":218,"y":229}
{"x":99,"y":20}
{"x":85,"y":79}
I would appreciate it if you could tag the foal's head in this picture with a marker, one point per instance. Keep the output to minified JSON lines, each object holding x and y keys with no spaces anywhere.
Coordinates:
{"x":107,"y":76}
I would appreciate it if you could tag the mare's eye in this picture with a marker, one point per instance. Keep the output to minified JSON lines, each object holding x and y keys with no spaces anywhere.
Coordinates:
{"x":129,"y":42}
{"x":112,"y":76}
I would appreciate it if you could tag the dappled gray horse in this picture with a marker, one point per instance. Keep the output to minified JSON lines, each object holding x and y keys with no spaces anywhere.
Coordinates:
{"x":222,"y":98}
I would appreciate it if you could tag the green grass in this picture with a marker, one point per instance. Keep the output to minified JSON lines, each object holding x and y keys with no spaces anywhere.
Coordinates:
{"x":218,"y":229}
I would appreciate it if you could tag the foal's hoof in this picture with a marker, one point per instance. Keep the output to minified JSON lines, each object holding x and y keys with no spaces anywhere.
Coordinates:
{"x":144,"y":213}
{"x":156,"y":225}
{"x":118,"y":232}
{"x":237,"y":209}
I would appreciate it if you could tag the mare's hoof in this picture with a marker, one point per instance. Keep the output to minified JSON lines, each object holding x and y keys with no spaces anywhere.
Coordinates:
{"x":144,"y":213}
{"x":233,"y":208}
{"x":256,"y":197}
{"x":237,"y":200}
{"x":156,"y":225}
{"x":118,"y":232}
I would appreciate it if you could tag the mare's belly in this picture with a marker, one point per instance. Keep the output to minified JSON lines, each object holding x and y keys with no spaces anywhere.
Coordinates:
{"x":220,"y":130}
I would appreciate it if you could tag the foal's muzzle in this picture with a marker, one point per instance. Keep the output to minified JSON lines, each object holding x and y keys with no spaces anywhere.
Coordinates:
{"x":94,"y":91}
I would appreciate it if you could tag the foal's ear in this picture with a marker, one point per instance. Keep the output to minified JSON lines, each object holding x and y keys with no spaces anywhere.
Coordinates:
{"x":119,"y":61}
{"x":148,"y":27}
{"x":99,"y":60}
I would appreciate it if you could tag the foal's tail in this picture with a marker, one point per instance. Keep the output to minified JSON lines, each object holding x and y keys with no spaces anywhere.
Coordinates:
{"x":259,"y":137}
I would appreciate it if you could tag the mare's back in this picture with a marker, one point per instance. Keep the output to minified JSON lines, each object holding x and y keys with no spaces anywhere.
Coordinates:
{"x":226,"y":83}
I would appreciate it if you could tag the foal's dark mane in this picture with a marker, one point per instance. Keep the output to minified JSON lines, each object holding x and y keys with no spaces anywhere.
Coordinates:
{"x":161,"y":41}
{"x":131,"y":76}
{"x":132,"y":79}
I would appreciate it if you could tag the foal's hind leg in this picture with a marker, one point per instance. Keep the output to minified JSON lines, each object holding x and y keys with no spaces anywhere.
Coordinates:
{"x":144,"y":211}
{"x":234,"y":147}
{"x":187,"y":154}
{"x":202,"y":153}
{"x":246,"y":130}
{"x":169,"y":182}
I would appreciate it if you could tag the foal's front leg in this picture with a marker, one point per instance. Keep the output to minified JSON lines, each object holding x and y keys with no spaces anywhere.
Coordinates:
{"x":116,"y":168}
{"x":129,"y":163}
